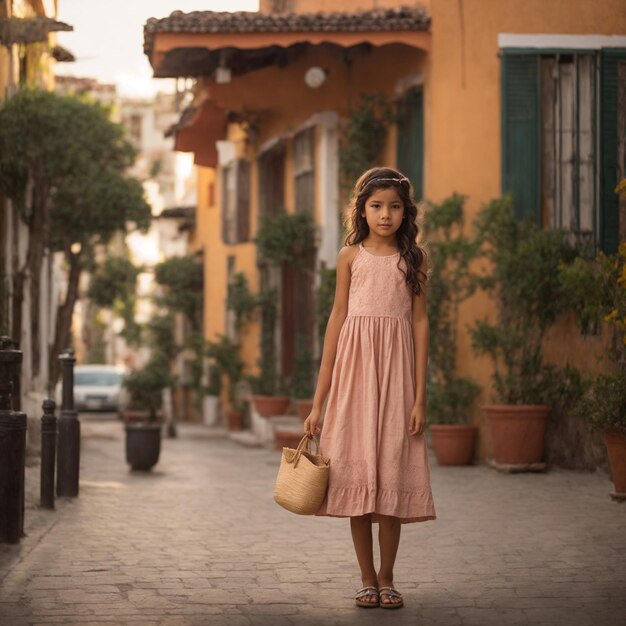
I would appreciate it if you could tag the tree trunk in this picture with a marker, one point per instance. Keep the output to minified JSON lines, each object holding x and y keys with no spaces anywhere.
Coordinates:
{"x":621,"y":144}
{"x":34,"y":259}
{"x":64,"y":316}
{"x":17,"y":298}
{"x":19,"y":277}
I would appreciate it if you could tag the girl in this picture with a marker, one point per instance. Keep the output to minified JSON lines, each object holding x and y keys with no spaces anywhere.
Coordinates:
{"x":373,"y":371}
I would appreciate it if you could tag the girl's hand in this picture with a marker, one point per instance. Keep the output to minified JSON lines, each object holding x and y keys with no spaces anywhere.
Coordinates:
{"x":310,"y":423}
{"x":417,"y":422}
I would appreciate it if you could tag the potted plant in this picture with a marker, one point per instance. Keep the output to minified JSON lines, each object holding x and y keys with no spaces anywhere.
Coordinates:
{"x":604,"y":406}
{"x":523,"y":278}
{"x":449,"y":396}
{"x":228,"y":365}
{"x":212,"y":390}
{"x":143,"y":431}
{"x":282,"y":240}
{"x":597,"y":291}
{"x":267,"y":397}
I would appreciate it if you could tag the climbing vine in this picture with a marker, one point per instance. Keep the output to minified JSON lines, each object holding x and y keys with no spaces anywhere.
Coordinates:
{"x":363,"y":137}
{"x":285,"y":238}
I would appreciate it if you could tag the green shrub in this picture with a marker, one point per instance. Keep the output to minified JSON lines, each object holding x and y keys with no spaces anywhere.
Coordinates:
{"x":523,"y":278}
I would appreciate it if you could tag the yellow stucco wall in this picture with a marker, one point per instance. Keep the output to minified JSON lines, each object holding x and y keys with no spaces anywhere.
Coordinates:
{"x":461,"y":77}
{"x":208,"y":238}
{"x":281,"y":103}
{"x":463,"y":99}
{"x":462,"y":132}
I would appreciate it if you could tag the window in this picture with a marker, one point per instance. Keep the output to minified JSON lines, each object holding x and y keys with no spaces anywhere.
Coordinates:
{"x":304,"y":170}
{"x":568,"y":142}
{"x":272,"y":181}
{"x":134,"y":129}
{"x":236,"y":202}
{"x":410,"y":143}
{"x":562,"y":154}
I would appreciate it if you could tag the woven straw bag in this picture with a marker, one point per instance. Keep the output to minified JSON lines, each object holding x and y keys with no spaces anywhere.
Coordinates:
{"x":302,"y":478}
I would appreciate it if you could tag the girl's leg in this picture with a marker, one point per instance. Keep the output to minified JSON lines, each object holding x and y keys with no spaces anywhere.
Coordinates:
{"x":361,"y":528}
{"x":389,"y":539}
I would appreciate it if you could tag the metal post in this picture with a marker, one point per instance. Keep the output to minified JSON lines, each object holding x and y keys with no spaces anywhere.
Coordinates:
{"x":12,"y":448}
{"x":48,"y":454}
{"x":68,"y":454}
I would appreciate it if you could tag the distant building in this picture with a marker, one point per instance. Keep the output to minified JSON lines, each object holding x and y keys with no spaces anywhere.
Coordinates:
{"x":104,"y":93}
{"x":27,"y":56}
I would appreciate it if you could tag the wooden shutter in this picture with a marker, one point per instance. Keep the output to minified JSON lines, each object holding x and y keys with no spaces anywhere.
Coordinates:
{"x":272,"y":181}
{"x":410,"y":143}
{"x":520,"y":133}
{"x":243,"y":201}
{"x":610,"y":168}
{"x":224,"y":207}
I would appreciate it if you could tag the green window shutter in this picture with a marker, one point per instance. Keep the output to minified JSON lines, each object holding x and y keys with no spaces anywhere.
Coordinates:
{"x":609,"y":202}
{"x":520,"y":133}
{"x":243,"y":201}
{"x":410,"y":143}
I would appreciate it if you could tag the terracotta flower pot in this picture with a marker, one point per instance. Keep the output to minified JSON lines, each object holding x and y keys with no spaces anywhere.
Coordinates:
{"x":517,"y":433}
{"x":287,"y":439}
{"x":453,"y":443}
{"x":616,"y":449}
{"x":267,"y":406}
{"x":303,"y":407}
{"x":134,"y":416}
{"x":235,"y":420}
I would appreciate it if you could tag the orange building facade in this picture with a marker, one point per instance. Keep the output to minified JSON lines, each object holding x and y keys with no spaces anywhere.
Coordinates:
{"x":273,"y":89}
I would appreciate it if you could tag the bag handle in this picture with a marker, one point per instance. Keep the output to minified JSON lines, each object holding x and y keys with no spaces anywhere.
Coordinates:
{"x":305,"y":446}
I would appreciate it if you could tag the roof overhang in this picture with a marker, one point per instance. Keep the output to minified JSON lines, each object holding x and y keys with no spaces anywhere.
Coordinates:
{"x":196,"y":44}
{"x":27,"y":30}
{"x":62,"y":55}
{"x":198,"y":130}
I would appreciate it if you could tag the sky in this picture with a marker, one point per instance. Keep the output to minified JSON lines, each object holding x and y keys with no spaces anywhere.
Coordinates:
{"x":107,"y":40}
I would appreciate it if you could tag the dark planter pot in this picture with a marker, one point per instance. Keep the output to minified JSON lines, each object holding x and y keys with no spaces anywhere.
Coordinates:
{"x":303,"y":407}
{"x":517,"y":433}
{"x":143,"y":445}
{"x":235,"y":420}
{"x":453,"y":443}
{"x":616,"y":450}
{"x":268,"y":406}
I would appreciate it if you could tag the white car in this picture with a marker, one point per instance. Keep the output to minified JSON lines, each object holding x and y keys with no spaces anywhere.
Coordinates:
{"x":97,"y":388}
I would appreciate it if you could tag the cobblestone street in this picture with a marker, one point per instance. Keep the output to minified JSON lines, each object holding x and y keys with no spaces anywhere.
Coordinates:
{"x":200,"y":541}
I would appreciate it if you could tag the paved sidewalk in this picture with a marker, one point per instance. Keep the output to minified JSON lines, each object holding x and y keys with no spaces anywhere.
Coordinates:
{"x":200,"y":541}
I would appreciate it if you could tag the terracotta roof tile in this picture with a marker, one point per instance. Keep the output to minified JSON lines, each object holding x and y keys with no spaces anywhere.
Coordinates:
{"x":401,"y":18}
{"x":29,"y":29}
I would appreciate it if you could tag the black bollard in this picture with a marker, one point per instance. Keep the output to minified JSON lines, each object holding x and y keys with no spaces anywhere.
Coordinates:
{"x":12,"y":448}
{"x":68,"y":452}
{"x":48,"y":454}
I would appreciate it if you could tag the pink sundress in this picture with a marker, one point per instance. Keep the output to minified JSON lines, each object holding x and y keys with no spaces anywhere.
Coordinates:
{"x":376,"y":466}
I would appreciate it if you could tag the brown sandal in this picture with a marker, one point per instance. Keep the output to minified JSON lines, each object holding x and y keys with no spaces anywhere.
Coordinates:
{"x":363,"y":593}
{"x":390,"y":592}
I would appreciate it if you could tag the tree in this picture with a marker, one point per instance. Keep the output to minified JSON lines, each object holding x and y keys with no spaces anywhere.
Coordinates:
{"x":183,"y":279}
{"x":113,"y":286}
{"x":62,"y":164}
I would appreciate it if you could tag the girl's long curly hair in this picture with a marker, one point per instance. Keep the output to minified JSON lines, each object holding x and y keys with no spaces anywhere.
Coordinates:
{"x":406,"y":236}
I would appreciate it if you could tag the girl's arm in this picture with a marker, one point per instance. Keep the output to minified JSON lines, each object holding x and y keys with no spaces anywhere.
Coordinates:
{"x":419,"y":321}
{"x":331,"y":338}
